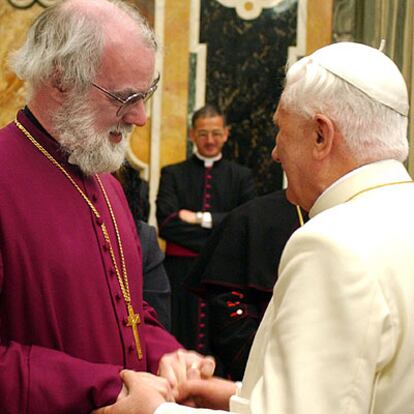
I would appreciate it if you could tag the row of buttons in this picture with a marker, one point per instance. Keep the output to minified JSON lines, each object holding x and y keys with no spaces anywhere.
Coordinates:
{"x":200,"y":342}
{"x":118,"y":296}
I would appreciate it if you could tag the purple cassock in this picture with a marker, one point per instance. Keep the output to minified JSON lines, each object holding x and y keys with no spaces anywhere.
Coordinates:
{"x":63,"y":328}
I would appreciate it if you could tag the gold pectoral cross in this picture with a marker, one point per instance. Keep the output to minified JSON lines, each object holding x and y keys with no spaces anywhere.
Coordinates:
{"x":133,"y":321}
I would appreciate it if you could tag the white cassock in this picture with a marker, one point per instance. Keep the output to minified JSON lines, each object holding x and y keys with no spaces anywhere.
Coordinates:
{"x":338,"y":334}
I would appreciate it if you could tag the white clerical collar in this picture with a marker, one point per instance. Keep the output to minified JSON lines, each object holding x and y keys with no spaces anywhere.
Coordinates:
{"x":208,"y":161}
{"x":370,"y":175}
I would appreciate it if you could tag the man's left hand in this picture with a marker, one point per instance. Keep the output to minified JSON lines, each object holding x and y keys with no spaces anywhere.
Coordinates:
{"x":145,"y":393}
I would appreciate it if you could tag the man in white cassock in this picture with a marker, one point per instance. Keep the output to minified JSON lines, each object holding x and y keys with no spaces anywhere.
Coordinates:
{"x":338,"y":334}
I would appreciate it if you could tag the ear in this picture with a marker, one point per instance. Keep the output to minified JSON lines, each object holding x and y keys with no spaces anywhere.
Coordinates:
{"x":57,"y":91}
{"x":192,"y":135}
{"x":324,"y":136}
{"x":226,"y":133}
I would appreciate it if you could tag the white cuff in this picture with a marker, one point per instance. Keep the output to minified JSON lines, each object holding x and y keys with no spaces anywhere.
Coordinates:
{"x":207,"y":221}
{"x":172,"y":408}
{"x":167,"y":408}
{"x":239,"y":404}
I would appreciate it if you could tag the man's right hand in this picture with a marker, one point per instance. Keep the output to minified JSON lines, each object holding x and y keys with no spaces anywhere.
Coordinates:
{"x":188,"y":216}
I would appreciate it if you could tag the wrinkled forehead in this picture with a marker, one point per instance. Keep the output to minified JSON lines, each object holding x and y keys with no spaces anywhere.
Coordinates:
{"x":276,"y":115}
{"x":133,"y":64}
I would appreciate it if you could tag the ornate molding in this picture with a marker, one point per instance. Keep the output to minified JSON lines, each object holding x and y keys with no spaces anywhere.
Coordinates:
{"x":26,"y":4}
{"x":249,"y":9}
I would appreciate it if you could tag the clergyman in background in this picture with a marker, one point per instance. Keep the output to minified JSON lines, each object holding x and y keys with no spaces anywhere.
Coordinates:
{"x":193,"y":197}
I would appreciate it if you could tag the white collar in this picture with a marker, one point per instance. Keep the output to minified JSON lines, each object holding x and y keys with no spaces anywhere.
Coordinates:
{"x":370,"y":175}
{"x":208,"y":161}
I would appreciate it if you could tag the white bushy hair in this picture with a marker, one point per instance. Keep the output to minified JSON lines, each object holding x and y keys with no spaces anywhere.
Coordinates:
{"x":69,"y":41}
{"x":372,"y":131}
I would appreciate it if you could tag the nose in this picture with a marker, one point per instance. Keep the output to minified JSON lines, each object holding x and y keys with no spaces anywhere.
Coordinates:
{"x":209,"y":138}
{"x":136,"y":114}
{"x":275,"y":153}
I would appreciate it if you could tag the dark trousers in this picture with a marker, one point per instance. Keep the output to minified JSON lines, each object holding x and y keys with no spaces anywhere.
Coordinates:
{"x":184,"y":305}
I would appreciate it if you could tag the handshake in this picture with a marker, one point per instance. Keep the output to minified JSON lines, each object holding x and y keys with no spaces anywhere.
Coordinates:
{"x":184,"y":377}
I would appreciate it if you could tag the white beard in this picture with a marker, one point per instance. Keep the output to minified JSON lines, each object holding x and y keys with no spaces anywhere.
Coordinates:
{"x":91,"y":150}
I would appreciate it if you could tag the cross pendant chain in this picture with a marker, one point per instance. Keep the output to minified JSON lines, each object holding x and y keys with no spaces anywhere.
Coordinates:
{"x":133,"y":318}
{"x":133,"y":321}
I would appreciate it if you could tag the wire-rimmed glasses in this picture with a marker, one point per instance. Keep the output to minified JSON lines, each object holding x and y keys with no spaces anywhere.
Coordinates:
{"x":127,"y":102}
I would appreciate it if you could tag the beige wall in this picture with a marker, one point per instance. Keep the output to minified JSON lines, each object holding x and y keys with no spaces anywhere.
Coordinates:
{"x":319,"y":24}
{"x":13,"y":26}
{"x":175,"y":85}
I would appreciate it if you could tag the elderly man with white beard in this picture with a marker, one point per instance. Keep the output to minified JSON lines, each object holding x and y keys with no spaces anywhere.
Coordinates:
{"x":74,"y":329}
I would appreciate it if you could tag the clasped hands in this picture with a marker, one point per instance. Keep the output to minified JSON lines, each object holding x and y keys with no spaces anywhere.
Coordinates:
{"x":184,"y":376}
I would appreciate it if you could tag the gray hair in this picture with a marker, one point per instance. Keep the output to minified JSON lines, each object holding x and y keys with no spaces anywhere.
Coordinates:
{"x":372,"y":131}
{"x":69,"y":41}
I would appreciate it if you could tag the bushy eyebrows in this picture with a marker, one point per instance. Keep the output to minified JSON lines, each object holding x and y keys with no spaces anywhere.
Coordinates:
{"x":126,"y":92}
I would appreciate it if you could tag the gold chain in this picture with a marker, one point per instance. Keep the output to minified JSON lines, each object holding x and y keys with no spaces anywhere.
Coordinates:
{"x":122,"y":278}
{"x":302,"y":222}
{"x":379,"y":186}
{"x":300,"y":216}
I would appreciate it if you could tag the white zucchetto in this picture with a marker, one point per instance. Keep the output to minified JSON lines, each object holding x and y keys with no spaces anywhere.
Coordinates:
{"x":369,"y":70}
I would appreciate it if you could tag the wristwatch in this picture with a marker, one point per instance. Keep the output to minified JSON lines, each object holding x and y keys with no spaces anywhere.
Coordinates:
{"x":199,"y":217}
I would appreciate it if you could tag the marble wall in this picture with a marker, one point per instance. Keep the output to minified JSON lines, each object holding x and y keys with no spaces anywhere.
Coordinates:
{"x":245,"y":71}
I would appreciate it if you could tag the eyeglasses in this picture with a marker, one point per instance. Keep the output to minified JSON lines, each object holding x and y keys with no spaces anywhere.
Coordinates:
{"x":131,"y":99}
{"x":204,"y":134}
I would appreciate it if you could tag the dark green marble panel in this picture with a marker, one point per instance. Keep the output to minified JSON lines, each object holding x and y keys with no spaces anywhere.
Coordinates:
{"x":191,"y":99}
{"x":245,"y":70}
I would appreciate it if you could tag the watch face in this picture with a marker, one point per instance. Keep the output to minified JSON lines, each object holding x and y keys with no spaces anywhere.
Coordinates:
{"x":199,"y":217}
